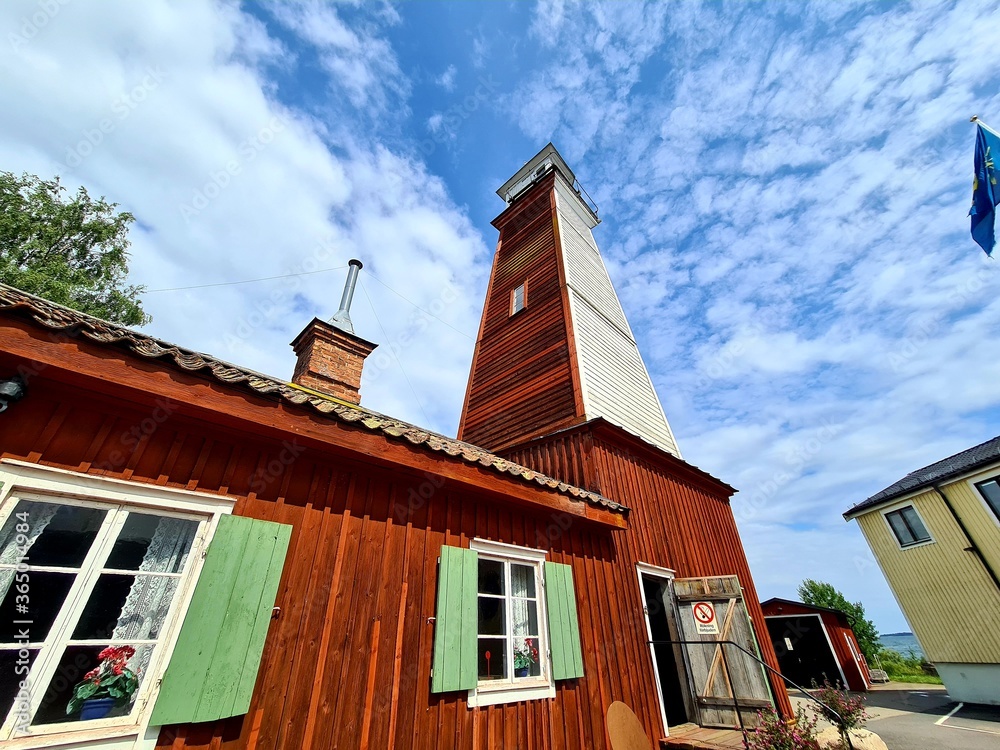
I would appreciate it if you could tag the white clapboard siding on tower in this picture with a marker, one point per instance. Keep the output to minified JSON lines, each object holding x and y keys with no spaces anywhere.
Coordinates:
{"x":616,"y":384}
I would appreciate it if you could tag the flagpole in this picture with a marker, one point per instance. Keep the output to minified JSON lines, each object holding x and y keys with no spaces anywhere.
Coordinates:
{"x":975,"y":119}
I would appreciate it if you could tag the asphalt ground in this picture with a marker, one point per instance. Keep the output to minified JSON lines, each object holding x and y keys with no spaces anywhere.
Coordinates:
{"x":924,"y":717}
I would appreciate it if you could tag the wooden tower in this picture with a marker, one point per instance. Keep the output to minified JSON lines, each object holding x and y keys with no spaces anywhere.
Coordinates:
{"x":558,"y":385}
{"x":554,"y":347}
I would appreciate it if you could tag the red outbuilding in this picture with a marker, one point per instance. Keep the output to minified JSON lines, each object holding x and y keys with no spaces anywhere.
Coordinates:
{"x":815,"y":644}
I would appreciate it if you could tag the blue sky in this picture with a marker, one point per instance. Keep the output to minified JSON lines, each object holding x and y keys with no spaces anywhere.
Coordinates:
{"x":783,"y":188}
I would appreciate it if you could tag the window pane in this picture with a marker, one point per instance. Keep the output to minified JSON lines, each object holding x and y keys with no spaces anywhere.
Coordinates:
{"x":126,"y":607}
{"x":524,"y":615}
{"x":527,"y":661}
{"x":75,"y":664}
{"x":14,"y":668}
{"x":991,"y":491}
{"x":916,"y":525}
{"x":153,"y":544}
{"x":46,"y":593}
{"x":492,"y":619}
{"x":57,"y":535}
{"x":522,"y":580}
{"x":492,"y":659}
{"x":903,"y":534}
{"x":519,"y":298}
{"x":490,"y":577}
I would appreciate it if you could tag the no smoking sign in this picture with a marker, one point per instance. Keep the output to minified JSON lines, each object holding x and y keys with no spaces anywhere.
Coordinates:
{"x":704,"y":618}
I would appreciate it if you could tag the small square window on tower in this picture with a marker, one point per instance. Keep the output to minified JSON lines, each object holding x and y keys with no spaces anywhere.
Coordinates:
{"x":517,"y":300}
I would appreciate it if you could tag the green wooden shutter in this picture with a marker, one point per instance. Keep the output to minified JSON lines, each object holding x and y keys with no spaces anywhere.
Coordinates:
{"x":564,"y":627}
{"x":456,"y":624}
{"x":214,"y":665}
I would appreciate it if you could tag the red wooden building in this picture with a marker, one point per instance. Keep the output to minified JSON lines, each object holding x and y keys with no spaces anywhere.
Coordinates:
{"x":289,"y":569}
{"x":815,"y":644}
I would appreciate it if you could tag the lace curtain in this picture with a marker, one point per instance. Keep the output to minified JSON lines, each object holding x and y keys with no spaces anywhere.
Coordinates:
{"x":148,"y":602}
{"x":37,"y":516}
{"x":522,"y":580}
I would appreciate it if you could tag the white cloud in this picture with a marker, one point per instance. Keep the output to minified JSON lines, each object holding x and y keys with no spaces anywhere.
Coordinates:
{"x":785,"y":205}
{"x":228,"y":183}
{"x":447,"y":79}
{"x":359,"y":61}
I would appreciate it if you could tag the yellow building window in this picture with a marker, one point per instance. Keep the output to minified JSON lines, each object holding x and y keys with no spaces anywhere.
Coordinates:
{"x":907,"y":526}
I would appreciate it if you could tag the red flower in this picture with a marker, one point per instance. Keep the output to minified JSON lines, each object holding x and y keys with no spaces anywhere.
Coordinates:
{"x":92,"y":673}
{"x":118,"y":668}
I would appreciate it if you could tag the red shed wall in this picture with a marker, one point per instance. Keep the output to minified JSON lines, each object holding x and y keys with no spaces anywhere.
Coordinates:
{"x":837,"y":628}
{"x":347,"y":662}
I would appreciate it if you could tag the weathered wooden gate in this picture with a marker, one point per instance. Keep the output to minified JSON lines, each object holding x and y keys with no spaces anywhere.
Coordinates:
{"x":720,"y":682}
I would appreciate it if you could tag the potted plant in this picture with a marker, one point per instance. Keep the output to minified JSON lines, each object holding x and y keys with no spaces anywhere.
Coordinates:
{"x":524,"y":657}
{"x":107,"y":685}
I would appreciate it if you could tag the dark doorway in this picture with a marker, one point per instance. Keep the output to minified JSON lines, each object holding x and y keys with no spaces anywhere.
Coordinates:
{"x":803,"y":651}
{"x":657,"y":594}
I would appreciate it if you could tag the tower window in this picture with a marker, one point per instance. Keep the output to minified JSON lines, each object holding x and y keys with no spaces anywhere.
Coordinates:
{"x":517,"y":299}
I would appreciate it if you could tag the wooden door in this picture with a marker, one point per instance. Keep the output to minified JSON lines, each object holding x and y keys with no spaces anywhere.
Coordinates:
{"x":720,"y":681}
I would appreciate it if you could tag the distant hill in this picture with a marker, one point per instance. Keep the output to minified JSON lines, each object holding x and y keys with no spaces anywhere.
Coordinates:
{"x":891,"y":635}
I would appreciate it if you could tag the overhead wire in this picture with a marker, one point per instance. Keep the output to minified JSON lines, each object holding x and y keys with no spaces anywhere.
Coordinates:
{"x":425,"y":312}
{"x":395,"y":354}
{"x":244,"y":281}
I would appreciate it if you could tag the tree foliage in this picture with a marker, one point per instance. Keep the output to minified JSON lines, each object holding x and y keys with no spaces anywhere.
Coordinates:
{"x":822,"y":594}
{"x":72,"y":250}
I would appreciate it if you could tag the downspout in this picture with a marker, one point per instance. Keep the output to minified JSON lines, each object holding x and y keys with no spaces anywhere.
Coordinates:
{"x":973,"y":547}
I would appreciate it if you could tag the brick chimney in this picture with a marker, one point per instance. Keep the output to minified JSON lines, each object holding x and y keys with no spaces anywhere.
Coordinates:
{"x":330,"y":360}
{"x":330,"y":355}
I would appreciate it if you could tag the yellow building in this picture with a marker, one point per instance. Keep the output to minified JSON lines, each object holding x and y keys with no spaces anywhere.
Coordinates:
{"x":936,"y":536}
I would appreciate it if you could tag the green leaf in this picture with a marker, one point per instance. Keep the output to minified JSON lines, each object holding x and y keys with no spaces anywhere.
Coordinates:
{"x":86,"y":690}
{"x":72,"y":250}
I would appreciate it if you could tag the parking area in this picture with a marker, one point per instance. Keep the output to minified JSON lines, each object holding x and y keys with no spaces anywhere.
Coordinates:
{"x":924,"y":716}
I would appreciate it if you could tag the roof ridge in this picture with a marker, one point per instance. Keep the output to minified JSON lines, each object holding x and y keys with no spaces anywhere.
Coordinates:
{"x":945,"y":468}
{"x":58,"y":317}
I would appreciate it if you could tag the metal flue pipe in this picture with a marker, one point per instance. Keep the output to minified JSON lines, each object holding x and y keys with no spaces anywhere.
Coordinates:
{"x":342,"y":318}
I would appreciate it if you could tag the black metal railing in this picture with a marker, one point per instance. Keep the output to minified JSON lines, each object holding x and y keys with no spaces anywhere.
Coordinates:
{"x":725,"y":665}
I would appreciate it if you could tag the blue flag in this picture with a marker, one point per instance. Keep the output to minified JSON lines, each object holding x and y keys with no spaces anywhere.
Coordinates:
{"x":985,"y":194}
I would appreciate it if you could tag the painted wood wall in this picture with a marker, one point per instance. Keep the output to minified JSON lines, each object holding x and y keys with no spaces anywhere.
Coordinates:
{"x":680,"y":519}
{"x":837,"y":629}
{"x":347,"y":662}
{"x":933,"y":582}
{"x":534,"y":343}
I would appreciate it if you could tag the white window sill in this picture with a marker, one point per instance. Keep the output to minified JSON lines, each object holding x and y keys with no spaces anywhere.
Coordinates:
{"x":490,"y":695}
{"x":915,"y":545}
{"x":119,"y":736}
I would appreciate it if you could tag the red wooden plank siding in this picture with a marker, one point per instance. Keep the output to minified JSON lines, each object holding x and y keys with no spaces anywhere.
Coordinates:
{"x":837,"y":627}
{"x":358,"y":560}
{"x":680,"y":522}
{"x":535,"y":343}
{"x":338,"y":660}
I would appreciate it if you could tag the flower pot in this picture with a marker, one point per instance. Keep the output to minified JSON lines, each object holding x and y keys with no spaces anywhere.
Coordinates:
{"x":96,"y":708}
{"x":521,"y":671}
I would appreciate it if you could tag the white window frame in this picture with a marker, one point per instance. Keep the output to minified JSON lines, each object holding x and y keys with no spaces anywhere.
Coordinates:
{"x":19,"y":479}
{"x":900,"y":506}
{"x":523,"y":287}
{"x":493,"y":692}
{"x":986,"y":476}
